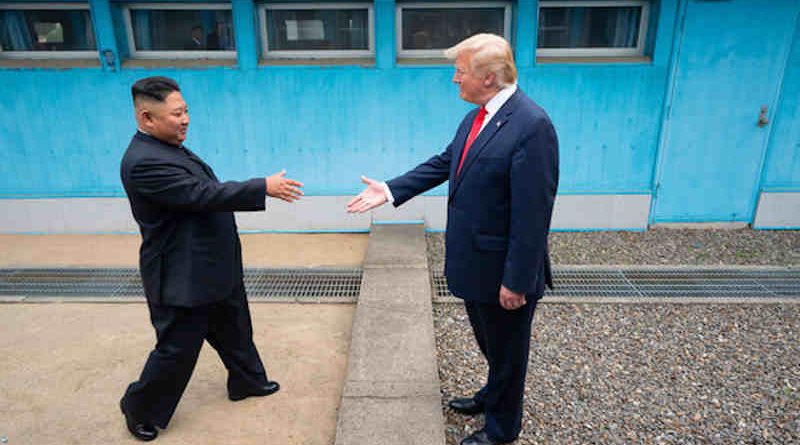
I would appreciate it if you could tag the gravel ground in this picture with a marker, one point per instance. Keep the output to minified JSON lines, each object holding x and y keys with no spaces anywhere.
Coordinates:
{"x":646,"y":374}
{"x":642,"y":374}
{"x":663,"y":246}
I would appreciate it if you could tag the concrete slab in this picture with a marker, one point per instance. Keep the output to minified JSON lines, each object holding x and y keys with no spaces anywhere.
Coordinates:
{"x":65,"y":367}
{"x":401,"y":290}
{"x":397,"y":245}
{"x":392,"y":346}
{"x":407,"y":421}
{"x":392,"y":393}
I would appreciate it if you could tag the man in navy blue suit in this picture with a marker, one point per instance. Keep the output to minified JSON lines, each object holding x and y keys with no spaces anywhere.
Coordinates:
{"x":190,"y":259}
{"x":503,"y":171}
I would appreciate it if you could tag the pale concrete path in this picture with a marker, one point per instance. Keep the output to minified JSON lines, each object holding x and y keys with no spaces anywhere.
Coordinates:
{"x":63,"y":367}
{"x":258,"y":250}
{"x":392,"y":392}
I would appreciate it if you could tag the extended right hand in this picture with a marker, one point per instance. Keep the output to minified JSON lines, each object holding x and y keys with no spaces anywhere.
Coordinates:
{"x":281,"y":187}
{"x":372,"y":196}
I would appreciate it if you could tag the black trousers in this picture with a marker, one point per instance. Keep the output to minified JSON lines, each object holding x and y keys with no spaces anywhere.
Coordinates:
{"x":504,"y":339}
{"x":180,"y":333}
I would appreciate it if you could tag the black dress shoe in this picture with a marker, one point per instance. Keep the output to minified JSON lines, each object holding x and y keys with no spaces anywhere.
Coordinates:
{"x":466,"y":405}
{"x":140,"y":430}
{"x":480,"y":438}
{"x":269,"y":388}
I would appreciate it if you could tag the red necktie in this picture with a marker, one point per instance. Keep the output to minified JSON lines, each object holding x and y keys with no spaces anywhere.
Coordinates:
{"x":473,"y":133}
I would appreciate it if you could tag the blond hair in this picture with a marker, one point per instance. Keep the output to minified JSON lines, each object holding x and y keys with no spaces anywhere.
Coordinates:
{"x":490,"y":53}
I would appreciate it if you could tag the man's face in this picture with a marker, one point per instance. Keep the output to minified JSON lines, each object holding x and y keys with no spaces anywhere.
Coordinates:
{"x":168,"y":120}
{"x":472,"y":87}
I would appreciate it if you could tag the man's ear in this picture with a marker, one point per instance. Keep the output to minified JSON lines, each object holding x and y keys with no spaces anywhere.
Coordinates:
{"x":145,"y":115}
{"x":489,"y":80}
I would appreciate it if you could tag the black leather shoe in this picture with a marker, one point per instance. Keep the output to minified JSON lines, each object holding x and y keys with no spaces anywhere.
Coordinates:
{"x":480,"y":438}
{"x":140,"y":430}
{"x":269,"y":388}
{"x":466,"y":405}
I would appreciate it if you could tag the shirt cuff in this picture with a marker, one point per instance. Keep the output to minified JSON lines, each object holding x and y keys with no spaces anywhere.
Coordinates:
{"x":388,"y":192}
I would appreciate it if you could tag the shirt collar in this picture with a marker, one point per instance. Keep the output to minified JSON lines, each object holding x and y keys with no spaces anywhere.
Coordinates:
{"x":500,"y":99}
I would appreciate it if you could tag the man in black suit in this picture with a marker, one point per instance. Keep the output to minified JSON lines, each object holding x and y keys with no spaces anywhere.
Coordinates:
{"x":190,"y":259}
{"x":502,"y":167}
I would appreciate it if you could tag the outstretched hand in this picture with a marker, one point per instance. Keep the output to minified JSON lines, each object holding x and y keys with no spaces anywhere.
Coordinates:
{"x":281,"y":187}
{"x":372,"y":196}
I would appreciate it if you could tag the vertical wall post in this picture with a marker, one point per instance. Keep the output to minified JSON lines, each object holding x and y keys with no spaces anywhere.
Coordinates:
{"x":104,"y":34}
{"x":384,"y":34}
{"x":525,"y":32}
{"x":245,"y":33}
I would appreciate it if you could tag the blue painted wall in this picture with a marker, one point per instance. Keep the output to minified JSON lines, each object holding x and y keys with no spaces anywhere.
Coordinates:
{"x":62,"y":132}
{"x":782,"y":172}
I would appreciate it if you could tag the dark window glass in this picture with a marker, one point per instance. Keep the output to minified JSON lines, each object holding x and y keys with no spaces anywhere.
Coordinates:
{"x":589,"y":27}
{"x":182,"y":30}
{"x":440,"y":28}
{"x":46,"y":30}
{"x":317,"y":29}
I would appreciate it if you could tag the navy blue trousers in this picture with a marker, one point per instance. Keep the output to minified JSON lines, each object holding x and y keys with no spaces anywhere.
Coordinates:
{"x":180,"y":333}
{"x":504,"y":339}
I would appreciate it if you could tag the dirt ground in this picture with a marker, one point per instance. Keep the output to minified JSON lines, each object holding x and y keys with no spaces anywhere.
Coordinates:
{"x":65,"y":366}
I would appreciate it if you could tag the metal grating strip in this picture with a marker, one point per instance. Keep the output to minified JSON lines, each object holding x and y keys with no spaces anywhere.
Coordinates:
{"x":261,"y":284}
{"x":662,"y":283}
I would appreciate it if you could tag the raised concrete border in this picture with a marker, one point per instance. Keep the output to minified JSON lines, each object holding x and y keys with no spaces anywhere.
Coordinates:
{"x":778,"y":210}
{"x":392,"y":390}
{"x":312,"y":213}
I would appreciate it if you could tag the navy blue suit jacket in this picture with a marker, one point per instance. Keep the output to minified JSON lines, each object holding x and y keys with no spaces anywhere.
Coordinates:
{"x":499,"y":206}
{"x":190,"y":253}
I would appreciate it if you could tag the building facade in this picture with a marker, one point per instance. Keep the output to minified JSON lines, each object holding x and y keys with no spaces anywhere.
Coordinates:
{"x":667,"y":111}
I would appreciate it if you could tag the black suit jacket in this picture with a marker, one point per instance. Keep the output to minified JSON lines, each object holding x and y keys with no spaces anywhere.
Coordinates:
{"x":499,"y":206}
{"x":190,"y":253}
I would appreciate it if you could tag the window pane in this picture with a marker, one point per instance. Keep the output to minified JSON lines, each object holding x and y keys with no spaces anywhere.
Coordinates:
{"x":46,"y":30}
{"x":182,"y":30}
{"x":440,"y":28}
{"x":318,"y":29}
{"x":589,"y":27}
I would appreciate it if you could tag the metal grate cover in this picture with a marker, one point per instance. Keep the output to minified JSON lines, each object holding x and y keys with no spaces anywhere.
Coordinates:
{"x":661,"y":283}
{"x":261,"y":284}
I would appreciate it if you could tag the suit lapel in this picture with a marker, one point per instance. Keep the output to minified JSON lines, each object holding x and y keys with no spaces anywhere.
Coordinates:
{"x":460,"y":140}
{"x":479,"y":145}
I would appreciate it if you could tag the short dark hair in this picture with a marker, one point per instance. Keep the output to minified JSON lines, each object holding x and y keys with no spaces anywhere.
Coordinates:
{"x":156,"y":88}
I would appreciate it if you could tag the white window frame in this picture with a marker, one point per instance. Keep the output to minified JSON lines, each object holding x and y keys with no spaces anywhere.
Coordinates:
{"x":315,"y":54}
{"x":88,"y":54}
{"x":146,"y":54}
{"x":600,"y":52}
{"x":438,"y":53}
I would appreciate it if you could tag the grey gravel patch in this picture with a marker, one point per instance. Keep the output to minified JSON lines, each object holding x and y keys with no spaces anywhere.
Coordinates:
{"x":642,"y":374}
{"x":662,"y":246}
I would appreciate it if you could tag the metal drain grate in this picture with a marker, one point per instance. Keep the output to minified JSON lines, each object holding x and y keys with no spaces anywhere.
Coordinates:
{"x":661,"y":283}
{"x":262,"y":284}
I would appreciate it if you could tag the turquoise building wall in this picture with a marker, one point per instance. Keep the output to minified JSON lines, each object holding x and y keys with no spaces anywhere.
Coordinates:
{"x":63,"y":130}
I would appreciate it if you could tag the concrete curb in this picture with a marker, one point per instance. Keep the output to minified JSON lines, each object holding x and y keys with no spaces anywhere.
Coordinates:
{"x":392,"y":391}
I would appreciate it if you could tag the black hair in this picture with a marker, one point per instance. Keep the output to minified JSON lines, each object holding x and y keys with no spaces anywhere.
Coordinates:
{"x":156,"y":88}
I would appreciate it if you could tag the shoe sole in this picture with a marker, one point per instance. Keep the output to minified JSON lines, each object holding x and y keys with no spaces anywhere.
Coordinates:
{"x":238,"y":398}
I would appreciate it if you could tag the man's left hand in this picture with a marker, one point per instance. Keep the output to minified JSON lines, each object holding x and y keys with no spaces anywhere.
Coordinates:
{"x":511,"y":300}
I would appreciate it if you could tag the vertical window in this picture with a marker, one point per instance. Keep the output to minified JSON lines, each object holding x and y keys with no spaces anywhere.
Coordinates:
{"x":425,"y":29}
{"x":592,"y":28}
{"x":185,"y":31}
{"x":316,"y":30}
{"x":46,"y":30}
